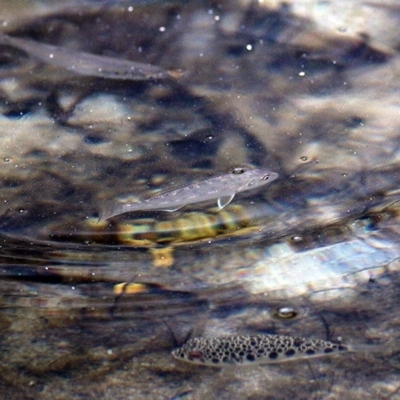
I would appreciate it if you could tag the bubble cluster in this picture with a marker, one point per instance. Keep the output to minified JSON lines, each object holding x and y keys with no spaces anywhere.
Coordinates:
{"x":249,"y":349}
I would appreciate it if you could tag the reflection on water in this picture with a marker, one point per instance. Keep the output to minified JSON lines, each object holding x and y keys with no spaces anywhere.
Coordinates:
{"x":93,"y":309}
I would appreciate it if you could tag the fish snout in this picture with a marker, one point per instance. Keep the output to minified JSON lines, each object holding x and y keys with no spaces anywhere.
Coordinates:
{"x":271,"y":176}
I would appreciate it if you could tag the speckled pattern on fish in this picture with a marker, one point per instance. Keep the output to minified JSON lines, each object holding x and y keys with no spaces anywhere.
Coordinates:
{"x":249,"y":349}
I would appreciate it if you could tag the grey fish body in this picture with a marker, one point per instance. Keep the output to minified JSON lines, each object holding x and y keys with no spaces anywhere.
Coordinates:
{"x":222,"y":187}
{"x":86,"y":63}
{"x":253,"y":350}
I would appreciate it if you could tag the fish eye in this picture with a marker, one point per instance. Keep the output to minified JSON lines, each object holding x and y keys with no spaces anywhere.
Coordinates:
{"x":265,"y":178}
{"x":286,"y":313}
{"x":238,"y":171}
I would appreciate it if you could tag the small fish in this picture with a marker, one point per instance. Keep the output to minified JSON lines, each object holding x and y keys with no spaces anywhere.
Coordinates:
{"x":221,"y":187}
{"x":87,"y":63}
{"x":251,"y":350}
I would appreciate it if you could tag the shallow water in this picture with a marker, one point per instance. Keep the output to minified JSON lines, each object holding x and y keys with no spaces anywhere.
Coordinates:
{"x":93,"y":309}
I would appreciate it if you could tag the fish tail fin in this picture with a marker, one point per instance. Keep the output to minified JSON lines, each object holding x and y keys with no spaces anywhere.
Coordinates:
{"x":5,"y":39}
{"x":111,"y":209}
{"x":107,"y":211}
{"x":368,"y":348}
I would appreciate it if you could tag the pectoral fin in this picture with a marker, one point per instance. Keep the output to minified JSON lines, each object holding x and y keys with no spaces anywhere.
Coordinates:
{"x":224,"y":201}
{"x":172,"y":209}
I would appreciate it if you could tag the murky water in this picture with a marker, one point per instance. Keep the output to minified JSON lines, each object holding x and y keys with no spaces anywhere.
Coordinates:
{"x":92,"y":310}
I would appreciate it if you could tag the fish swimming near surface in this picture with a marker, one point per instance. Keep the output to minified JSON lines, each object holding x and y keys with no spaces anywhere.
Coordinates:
{"x":87,"y":63}
{"x":253,"y":349}
{"x":222,"y":187}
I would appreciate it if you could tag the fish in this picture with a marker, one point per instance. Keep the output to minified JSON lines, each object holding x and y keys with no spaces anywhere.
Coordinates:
{"x":86,"y":63}
{"x":190,"y":227}
{"x":222,"y":187}
{"x":242,"y":350}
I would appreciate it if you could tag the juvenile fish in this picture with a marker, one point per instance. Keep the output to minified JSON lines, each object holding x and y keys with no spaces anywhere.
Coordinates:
{"x":222,"y":187}
{"x":251,"y":350}
{"x":87,"y":63}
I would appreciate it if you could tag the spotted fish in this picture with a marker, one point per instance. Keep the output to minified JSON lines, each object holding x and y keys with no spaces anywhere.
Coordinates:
{"x":253,"y":349}
{"x":222,"y":187}
{"x":87,"y":63}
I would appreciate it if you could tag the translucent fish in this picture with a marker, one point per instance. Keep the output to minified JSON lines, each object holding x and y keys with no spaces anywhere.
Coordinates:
{"x":222,"y":187}
{"x":86,"y":63}
{"x":251,"y":350}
